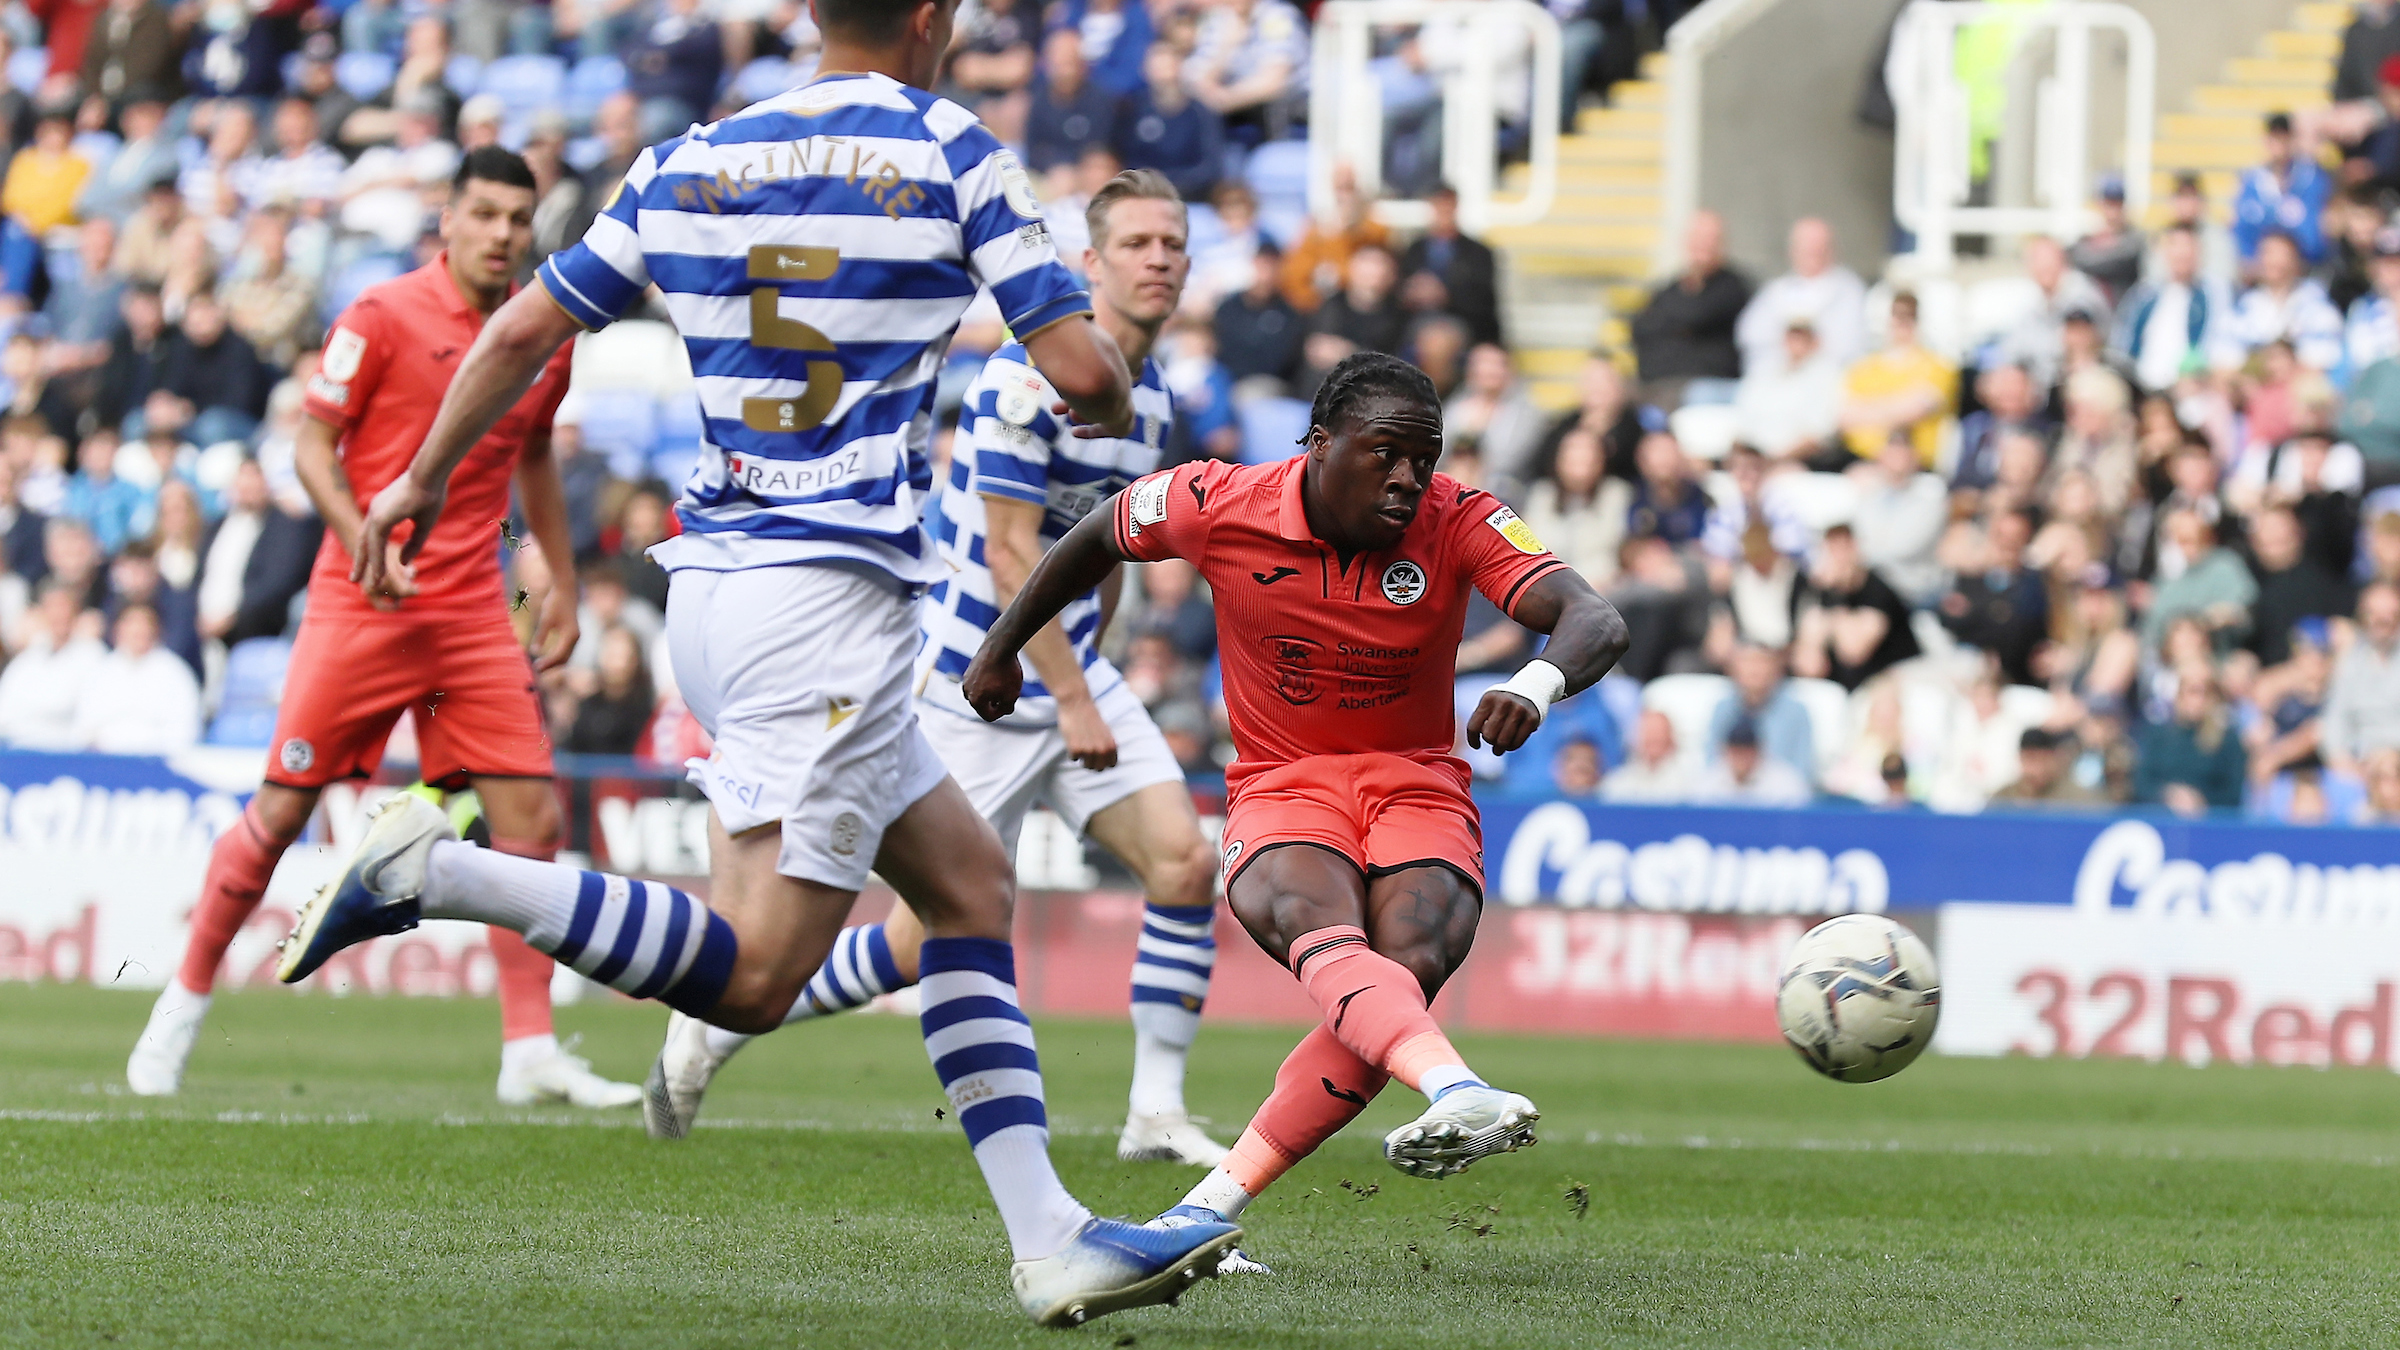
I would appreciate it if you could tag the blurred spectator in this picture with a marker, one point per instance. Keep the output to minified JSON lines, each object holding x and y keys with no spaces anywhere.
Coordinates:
{"x":142,"y":245}
{"x":1664,"y":597}
{"x":1117,"y":37}
{"x":613,"y":713}
{"x":2010,"y":406}
{"x":1752,"y":500}
{"x":2362,"y":704}
{"x":1163,"y":128}
{"x":1685,"y":334}
{"x":68,"y":24}
{"x":214,"y":182}
{"x":269,"y":305}
{"x":993,"y":53}
{"x":2111,"y":254}
{"x":2291,"y":585}
{"x":44,"y":177}
{"x":147,"y":152}
{"x":134,"y":579}
{"x":2168,"y":327}
{"x":2002,"y":609}
{"x":2098,"y":438}
{"x":133,"y":45}
{"x":1575,"y":768}
{"x":673,"y":65}
{"x":1492,"y":417}
{"x":1250,"y":65}
{"x":1744,"y":775}
{"x":1174,"y":610}
{"x":1225,"y":266}
{"x":617,"y":128}
{"x":1069,"y":111}
{"x":2286,"y":195}
{"x":2214,"y":588}
{"x":2370,"y":416}
{"x":1602,"y":408}
{"x":140,"y":699}
{"x":1791,"y":410}
{"x":1667,"y":501}
{"x":1467,"y":269}
{"x":16,"y":107}
{"x":1319,"y":262}
{"x":304,"y":173}
{"x":253,"y":546}
{"x":20,"y":529}
{"x":2044,"y":776}
{"x":390,"y":189}
{"x":1853,"y":626}
{"x":1363,"y":316}
{"x":643,"y":520}
{"x":2192,"y":763}
{"x":2288,"y":723}
{"x":1902,"y":390}
{"x":1435,"y":343}
{"x":2085,"y":350}
{"x":217,"y":371}
{"x":84,"y":299}
{"x":2371,"y":331}
{"x":1205,"y":421}
{"x":2351,"y":224}
{"x":1654,"y":774}
{"x":42,"y":685}
{"x":1578,"y":511}
{"x":2040,"y":303}
{"x":1760,"y":700}
{"x":2372,"y":39}
{"x":2382,"y":804}
{"x":2288,"y":305}
{"x":1258,"y":332}
{"x":1762,"y":590}
{"x":111,"y":508}
{"x":30,"y":390}
{"x":1819,"y":289}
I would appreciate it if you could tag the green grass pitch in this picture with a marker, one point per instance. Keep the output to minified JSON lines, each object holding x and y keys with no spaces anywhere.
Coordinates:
{"x":337,"y":1173}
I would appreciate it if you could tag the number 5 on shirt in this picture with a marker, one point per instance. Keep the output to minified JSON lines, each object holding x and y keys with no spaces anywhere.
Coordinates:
{"x":768,"y":328}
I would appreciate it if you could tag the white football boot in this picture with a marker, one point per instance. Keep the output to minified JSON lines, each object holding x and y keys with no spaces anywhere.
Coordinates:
{"x":679,"y":1077}
{"x":155,"y":1069}
{"x":1112,"y":1265}
{"x":1469,"y":1122}
{"x":562,"y":1076}
{"x":1167,"y":1138}
{"x":1235,"y":1261}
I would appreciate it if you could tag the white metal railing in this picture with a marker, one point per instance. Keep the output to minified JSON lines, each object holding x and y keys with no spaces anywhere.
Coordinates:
{"x":1689,"y":44}
{"x":1345,"y":105}
{"x":1933,"y":150}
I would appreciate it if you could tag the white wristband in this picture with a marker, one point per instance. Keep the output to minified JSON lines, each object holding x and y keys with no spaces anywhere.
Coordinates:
{"x":1538,"y":683}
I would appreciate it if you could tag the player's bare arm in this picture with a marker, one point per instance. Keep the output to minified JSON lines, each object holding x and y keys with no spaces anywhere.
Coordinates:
{"x":1087,"y":368}
{"x":1072,"y":567}
{"x":1012,"y":547}
{"x":544,"y":499}
{"x":1587,"y":639}
{"x":507,"y":357}
{"x":318,"y":462}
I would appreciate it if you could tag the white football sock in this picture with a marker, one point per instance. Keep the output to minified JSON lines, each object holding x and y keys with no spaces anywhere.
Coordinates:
{"x":722,"y":1042}
{"x":525,"y":1051}
{"x":1162,"y":1045}
{"x":536,"y":899}
{"x":1220,"y":1192}
{"x":1443,"y":1077}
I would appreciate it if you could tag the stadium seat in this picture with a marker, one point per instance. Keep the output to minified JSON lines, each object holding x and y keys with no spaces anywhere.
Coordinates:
{"x":1707,"y":432}
{"x":638,"y":354}
{"x":680,"y":431}
{"x":592,"y":80}
{"x":621,"y":425}
{"x":363,"y":75}
{"x":1278,"y":176}
{"x":1272,"y":429}
{"x":1828,"y":706}
{"x":464,"y":74}
{"x":253,"y":686}
{"x":585,"y":152}
{"x":1817,"y":500}
{"x":1690,"y":703}
{"x":526,"y":84}
{"x":346,"y":284}
{"x":764,"y":78}
{"x":27,"y":66}
{"x":2026,"y":704}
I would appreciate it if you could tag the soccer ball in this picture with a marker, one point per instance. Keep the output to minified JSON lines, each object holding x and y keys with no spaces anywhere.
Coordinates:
{"x":1859,"y":998}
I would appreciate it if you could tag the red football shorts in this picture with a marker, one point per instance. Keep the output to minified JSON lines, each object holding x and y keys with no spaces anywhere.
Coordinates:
{"x":1382,"y":812}
{"x":464,"y":675}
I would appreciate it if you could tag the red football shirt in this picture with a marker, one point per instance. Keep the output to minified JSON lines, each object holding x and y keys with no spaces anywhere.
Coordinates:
{"x":1321,"y":658}
{"x":386,"y":365}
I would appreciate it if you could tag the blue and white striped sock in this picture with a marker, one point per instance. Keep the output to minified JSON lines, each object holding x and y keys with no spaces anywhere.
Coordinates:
{"x":637,"y":937}
{"x":982,"y":1048}
{"x":856,"y":971}
{"x":1171,"y":967}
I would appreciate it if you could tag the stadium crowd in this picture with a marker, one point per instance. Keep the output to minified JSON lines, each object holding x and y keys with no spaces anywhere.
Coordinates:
{"x":2104,"y":528}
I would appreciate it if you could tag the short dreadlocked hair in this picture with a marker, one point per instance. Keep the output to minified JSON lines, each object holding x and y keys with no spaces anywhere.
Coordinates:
{"x":1362,"y":376}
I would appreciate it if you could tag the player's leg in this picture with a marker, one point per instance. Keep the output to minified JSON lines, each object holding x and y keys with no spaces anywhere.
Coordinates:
{"x":523,"y":818}
{"x":947,"y":862}
{"x":239,"y":868}
{"x":1155,"y":832}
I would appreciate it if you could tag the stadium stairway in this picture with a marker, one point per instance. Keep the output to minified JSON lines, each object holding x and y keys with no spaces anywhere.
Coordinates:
{"x":1568,"y":280}
{"x":2291,"y":70}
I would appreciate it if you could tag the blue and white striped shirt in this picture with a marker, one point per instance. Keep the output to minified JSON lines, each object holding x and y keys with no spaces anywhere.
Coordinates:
{"x":816,"y":251}
{"x":1010,"y":446}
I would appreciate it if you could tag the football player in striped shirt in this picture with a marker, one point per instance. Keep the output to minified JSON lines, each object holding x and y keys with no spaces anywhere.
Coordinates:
{"x":1080,"y":740}
{"x":816,"y":250}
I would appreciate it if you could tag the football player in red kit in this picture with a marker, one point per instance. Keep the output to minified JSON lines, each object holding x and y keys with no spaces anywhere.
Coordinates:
{"x":437,"y":640}
{"x":1353,"y":852}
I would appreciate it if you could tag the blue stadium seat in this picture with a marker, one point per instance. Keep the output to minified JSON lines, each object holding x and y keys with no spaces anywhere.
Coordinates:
{"x":464,"y":74}
{"x":363,"y":75}
{"x":680,"y":431}
{"x":27,"y":66}
{"x":1272,"y":428}
{"x":526,"y":83}
{"x":621,"y":425}
{"x":585,"y":151}
{"x":346,"y":284}
{"x":243,"y":727}
{"x":764,"y":78}
{"x":592,"y":80}
{"x":254,"y":672}
{"x":1278,"y":173}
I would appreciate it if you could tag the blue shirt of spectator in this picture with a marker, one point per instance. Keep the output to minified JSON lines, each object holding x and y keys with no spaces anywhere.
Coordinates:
{"x":674,"y":67}
{"x":116,"y":511}
{"x":1069,"y":113}
{"x":1761,"y":697}
{"x":1162,"y":127}
{"x":1116,"y":36}
{"x":2286,"y":193}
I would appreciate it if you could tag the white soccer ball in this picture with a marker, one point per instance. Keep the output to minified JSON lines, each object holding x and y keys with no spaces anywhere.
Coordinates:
{"x":1859,"y":997}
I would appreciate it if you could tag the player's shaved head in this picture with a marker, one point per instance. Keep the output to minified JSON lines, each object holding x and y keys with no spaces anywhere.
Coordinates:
{"x":870,"y":22}
{"x":1375,"y":433}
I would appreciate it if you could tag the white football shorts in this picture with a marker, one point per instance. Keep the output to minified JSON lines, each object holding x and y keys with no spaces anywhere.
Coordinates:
{"x":1006,"y":769}
{"x":802,"y":676}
